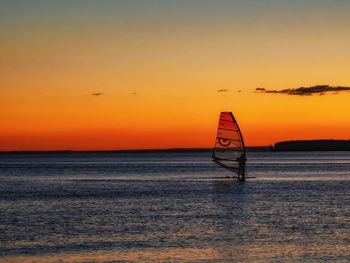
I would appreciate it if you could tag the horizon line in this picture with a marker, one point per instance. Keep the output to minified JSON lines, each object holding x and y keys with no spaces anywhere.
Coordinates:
{"x":174,"y":149}
{"x":196,"y":149}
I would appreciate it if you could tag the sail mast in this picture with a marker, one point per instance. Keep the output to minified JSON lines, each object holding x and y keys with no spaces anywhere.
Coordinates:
{"x":242,"y":172}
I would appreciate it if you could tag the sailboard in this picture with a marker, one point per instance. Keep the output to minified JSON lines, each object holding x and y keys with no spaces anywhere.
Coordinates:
{"x":229,"y":149}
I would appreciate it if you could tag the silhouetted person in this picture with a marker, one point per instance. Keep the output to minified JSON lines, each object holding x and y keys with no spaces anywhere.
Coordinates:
{"x":241,"y":167}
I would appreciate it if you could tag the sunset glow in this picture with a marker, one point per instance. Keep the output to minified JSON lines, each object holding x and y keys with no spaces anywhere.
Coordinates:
{"x":91,"y":75}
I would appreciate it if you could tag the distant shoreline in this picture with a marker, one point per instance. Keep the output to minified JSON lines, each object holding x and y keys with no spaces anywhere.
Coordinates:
{"x":284,"y":146}
{"x":313,"y":145}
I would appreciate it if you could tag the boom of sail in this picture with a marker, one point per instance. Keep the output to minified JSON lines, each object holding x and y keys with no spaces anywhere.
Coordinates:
{"x":229,"y":150}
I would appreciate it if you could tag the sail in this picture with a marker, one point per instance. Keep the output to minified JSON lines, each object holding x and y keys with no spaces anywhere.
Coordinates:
{"x":229,"y":150}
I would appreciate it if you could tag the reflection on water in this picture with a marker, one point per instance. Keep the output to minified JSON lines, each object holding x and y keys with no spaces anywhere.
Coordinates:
{"x":174,"y":207}
{"x":261,"y":253}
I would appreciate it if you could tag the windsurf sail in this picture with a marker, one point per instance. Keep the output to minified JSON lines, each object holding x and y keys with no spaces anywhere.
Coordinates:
{"x":229,"y":150}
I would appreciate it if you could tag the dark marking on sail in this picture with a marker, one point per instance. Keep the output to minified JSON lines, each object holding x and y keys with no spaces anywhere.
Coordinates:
{"x":229,"y":150}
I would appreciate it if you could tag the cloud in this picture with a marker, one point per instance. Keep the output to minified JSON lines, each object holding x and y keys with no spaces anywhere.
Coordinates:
{"x":97,"y":94}
{"x":134,"y":93}
{"x":306,"y":91}
{"x":223,"y":90}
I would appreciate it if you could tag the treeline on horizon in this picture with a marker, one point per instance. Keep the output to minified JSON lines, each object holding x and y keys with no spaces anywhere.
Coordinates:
{"x":313,"y":145}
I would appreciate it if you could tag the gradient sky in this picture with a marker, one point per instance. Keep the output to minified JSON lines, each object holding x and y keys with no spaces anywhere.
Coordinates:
{"x":159,"y":65}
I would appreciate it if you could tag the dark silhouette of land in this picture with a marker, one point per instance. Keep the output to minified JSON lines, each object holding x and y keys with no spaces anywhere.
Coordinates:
{"x":313,"y":145}
{"x":299,"y":145}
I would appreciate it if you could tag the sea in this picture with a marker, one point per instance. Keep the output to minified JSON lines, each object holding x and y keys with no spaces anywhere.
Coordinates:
{"x":174,"y":207}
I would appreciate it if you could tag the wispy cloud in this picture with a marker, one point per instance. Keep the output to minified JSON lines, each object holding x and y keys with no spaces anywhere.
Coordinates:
{"x":223,"y":90}
{"x":306,"y":91}
{"x":96,"y":94}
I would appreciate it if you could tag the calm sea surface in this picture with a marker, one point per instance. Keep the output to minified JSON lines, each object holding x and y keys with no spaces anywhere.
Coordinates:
{"x":174,"y":207}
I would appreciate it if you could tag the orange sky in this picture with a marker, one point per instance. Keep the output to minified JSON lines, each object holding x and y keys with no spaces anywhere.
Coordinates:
{"x":159,"y":65}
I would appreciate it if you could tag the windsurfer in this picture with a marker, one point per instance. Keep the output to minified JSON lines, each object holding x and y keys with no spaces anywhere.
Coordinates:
{"x":241,"y":168}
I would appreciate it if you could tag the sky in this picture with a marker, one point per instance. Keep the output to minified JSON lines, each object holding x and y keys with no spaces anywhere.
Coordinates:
{"x":108,"y":75}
